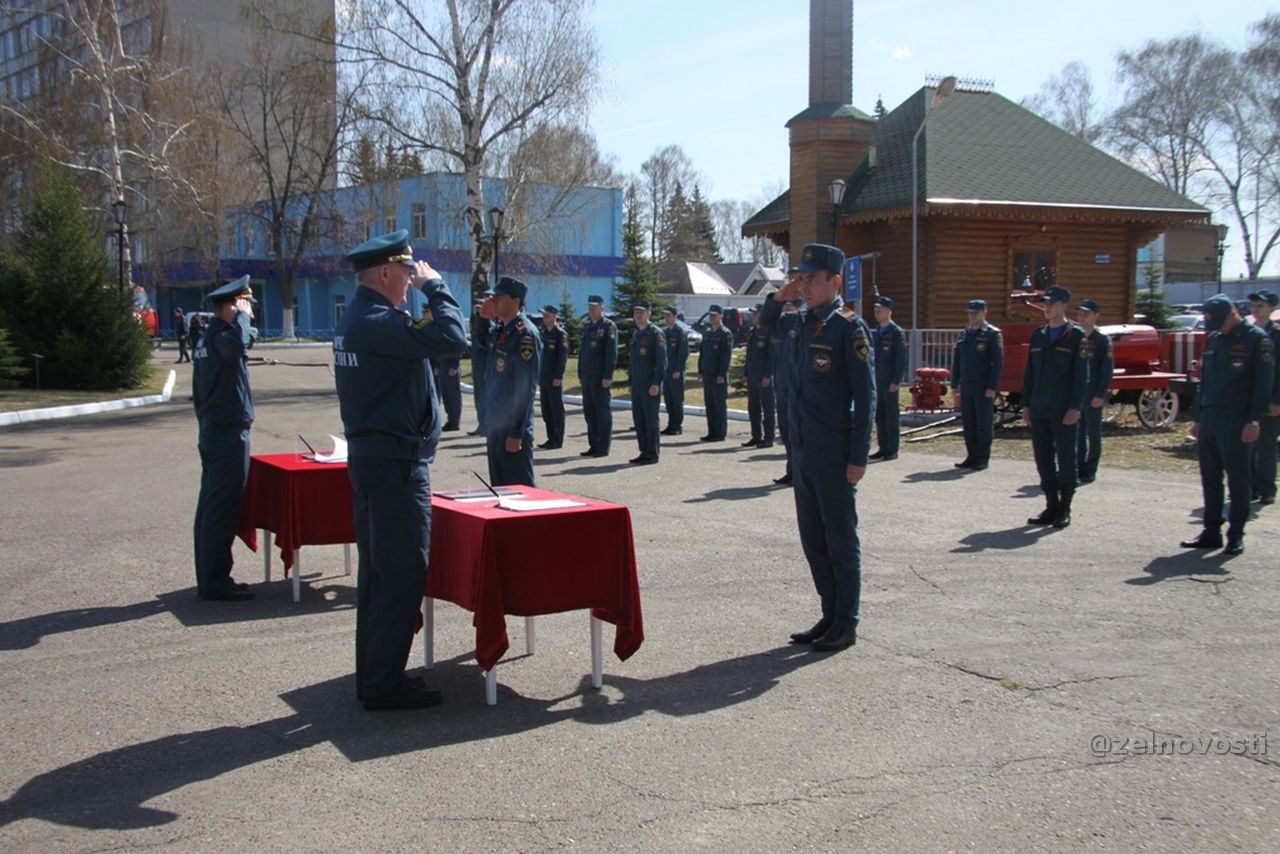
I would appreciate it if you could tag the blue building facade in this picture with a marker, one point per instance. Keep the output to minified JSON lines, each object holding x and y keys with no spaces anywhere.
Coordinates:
{"x":564,"y":242}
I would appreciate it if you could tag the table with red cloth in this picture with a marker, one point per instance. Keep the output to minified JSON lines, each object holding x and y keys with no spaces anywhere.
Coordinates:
{"x":486,"y":559}
{"x":304,"y":503}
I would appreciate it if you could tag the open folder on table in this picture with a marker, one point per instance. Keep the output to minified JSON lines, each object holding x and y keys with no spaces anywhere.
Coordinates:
{"x":518,"y":502}
{"x":337,"y":455}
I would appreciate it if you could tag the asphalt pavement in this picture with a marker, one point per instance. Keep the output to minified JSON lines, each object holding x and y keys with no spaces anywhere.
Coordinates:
{"x":1012,"y":688}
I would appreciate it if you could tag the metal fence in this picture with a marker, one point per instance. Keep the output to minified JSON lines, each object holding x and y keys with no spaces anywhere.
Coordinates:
{"x":937,"y":346}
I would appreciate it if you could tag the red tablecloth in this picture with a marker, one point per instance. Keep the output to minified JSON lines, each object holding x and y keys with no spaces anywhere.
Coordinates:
{"x":303,"y":502}
{"x":495,"y":562}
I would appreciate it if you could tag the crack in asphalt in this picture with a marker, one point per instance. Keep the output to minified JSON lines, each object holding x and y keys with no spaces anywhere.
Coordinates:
{"x":926,"y":580}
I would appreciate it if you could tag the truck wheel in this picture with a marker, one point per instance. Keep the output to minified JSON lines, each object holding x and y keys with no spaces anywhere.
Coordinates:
{"x":1157,"y":408}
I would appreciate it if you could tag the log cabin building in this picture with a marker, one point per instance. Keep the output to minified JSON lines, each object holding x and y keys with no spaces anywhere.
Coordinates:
{"x":1005,"y":197}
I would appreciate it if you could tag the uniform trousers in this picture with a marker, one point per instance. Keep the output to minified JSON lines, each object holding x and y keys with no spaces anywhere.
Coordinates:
{"x":976,"y":413}
{"x":596,"y":409}
{"x":644,"y":417}
{"x":716,"y":399}
{"x":506,"y":468}
{"x":392,"y":510}
{"x":552,"y":397}
{"x":761,"y":411}
{"x":1264,"y":458}
{"x":1054,"y":446}
{"x":1220,"y":451}
{"x":673,"y":397}
{"x":784,"y":428}
{"x":1089,"y":441}
{"x":827,"y":515}
{"x":888,"y":427}
{"x":479,"y":366}
{"x":224,"y":463}
{"x":451,"y":397}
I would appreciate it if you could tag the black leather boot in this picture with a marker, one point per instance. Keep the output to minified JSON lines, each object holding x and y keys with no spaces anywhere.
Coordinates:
{"x":1063,"y":519}
{"x":1049,"y":513}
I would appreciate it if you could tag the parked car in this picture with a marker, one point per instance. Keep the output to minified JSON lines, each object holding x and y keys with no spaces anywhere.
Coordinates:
{"x":737,"y":319}
{"x":1188,"y":322}
{"x":695,"y":340}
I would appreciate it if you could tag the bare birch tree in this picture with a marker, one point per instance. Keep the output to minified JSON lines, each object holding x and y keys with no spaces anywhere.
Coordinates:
{"x":467,"y":81}
{"x":665,"y":170}
{"x":1067,"y":99}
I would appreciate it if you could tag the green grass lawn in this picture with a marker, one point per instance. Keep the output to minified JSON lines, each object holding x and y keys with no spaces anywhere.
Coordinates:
{"x":25,"y":398}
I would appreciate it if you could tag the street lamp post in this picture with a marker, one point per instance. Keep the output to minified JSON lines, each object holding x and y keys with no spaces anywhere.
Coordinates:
{"x":120,"y":208}
{"x":835,"y":191}
{"x":495,"y":224}
{"x":944,"y":90}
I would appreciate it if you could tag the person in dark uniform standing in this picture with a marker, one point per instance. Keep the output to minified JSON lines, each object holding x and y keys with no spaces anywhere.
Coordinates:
{"x":447,"y":373}
{"x":224,"y":408}
{"x":891,"y":372}
{"x":555,"y":357}
{"x":195,"y":330}
{"x":784,"y":334}
{"x":648,"y":367}
{"x":392,"y":423}
{"x":1264,"y":450}
{"x":180,"y":331}
{"x":1237,"y":375}
{"x":1102,"y":364}
{"x":713,"y":370}
{"x":1054,"y":386}
{"x":481,"y":347}
{"x":975,"y":377}
{"x":760,"y":367}
{"x":831,"y":405}
{"x":597,"y":360}
{"x":677,"y":337}
{"x":509,"y":386}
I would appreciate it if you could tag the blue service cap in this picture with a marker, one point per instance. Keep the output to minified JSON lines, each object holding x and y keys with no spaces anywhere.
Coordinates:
{"x":238,"y":289}
{"x":797,"y":302}
{"x":550,"y":309}
{"x":820,"y":256}
{"x":595,"y":299}
{"x":1057,"y":294}
{"x":1244,"y":306}
{"x":641,"y":305}
{"x":757,"y":306}
{"x":1264,"y":295}
{"x":514,"y":288}
{"x":1089,"y":305}
{"x":671,"y":310}
{"x":977,"y":305}
{"x":1217,"y":309}
{"x":390,"y":248}
{"x":884,"y":302}
{"x":715,"y":309}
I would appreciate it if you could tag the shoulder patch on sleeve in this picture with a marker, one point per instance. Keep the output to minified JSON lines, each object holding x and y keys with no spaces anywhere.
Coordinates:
{"x":421,"y":322}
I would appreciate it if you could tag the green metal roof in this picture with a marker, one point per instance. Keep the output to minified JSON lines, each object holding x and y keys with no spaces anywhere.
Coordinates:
{"x":980,"y":147}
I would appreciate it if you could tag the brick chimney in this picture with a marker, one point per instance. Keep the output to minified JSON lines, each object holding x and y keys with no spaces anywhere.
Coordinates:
{"x":830,"y":137}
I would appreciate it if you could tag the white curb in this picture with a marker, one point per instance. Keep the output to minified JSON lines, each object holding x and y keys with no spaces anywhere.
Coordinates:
{"x":49,"y":412}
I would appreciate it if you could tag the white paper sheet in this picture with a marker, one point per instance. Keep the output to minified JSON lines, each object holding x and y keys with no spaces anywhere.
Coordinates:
{"x":337,"y":455}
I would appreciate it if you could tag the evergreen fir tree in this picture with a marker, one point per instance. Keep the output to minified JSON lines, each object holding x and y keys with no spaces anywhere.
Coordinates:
{"x":638,"y":278}
{"x":12,"y":366}
{"x":1150,"y":303}
{"x":55,"y":298}
{"x":705,"y":247}
{"x":879,"y":111}
{"x":673,"y":244}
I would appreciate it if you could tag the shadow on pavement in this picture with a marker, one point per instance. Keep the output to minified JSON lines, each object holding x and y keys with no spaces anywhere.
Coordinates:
{"x":1182,"y":564}
{"x":272,"y":601}
{"x":925,"y":476}
{"x":1007,"y":540}
{"x":737,"y":493}
{"x":27,"y":632}
{"x":109,"y":789}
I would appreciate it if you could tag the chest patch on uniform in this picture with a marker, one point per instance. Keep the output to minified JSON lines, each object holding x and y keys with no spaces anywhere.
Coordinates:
{"x":1265,"y":352}
{"x":820,"y":361}
{"x":644,"y":351}
{"x":1237,"y":364}
{"x":1084,"y":351}
{"x":982,"y":346}
{"x":552,"y":346}
{"x":594,"y":344}
{"x":500,"y":364}
{"x":527,"y":348}
{"x":794,"y":333}
{"x":760,"y":344}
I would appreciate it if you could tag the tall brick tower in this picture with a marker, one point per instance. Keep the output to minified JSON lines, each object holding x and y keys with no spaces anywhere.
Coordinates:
{"x":831,"y":136}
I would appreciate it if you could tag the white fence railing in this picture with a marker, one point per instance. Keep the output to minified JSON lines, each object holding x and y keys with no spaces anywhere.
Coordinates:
{"x":937,"y":346}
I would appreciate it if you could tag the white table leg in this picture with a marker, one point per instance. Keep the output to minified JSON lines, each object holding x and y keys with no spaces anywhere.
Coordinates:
{"x":597,"y":654}
{"x":491,"y":686}
{"x":297,"y":575}
{"x":428,"y":632}
{"x":528,"y":635}
{"x":346,"y":557}
{"x":266,"y":555}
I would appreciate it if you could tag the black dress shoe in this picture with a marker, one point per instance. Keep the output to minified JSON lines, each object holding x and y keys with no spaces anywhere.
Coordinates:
{"x":1087,"y":478}
{"x":598,"y":454}
{"x":670,"y":432}
{"x":646,"y":461}
{"x":637,"y":460}
{"x":1235,"y":546}
{"x":476,"y":433}
{"x":838,"y":637}
{"x":239,"y":585}
{"x":1267,"y":500}
{"x":875,"y":456}
{"x":751,"y":443}
{"x":887,"y":457}
{"x":587,"y":453}
{"x":964,"y":464}
{"x":544,"y":445}
{"x":785,"y":480}
{"x":449,"y":428}
{"x":1206,"y":540}
{"x":810,"y":635}
{"x":764,"y":444}
{"x":409,"y":694}
{"x":977,"y":467}
{"x":555,"y":446}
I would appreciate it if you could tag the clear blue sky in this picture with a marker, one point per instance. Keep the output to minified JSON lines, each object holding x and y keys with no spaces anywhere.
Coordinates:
{"x":721,"y":77}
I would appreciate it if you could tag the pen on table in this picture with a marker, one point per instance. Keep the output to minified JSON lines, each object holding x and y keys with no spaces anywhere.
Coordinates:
{"x":488,"y":487}
{"x":308,"y":444}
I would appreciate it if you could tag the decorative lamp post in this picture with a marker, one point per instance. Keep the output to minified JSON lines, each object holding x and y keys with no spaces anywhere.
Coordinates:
{"x":835,"y":191}
{"x":120,"y":208}
{"x":495,"y":225}
{"x":944,"y":90}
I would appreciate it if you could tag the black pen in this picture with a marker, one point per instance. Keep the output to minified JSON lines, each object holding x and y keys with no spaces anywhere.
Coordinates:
{"x":308,"y":444}
{"x":487,"y":486}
